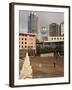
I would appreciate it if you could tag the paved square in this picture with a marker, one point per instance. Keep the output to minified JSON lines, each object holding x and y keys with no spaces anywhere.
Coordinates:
{"x":44,"y":67}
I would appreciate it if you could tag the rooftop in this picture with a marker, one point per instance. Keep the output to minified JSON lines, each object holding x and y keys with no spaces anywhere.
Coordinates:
{"x":30,"y":34}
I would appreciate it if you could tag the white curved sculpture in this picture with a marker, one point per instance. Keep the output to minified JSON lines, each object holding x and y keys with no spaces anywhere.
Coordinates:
{"x":26,"y":71}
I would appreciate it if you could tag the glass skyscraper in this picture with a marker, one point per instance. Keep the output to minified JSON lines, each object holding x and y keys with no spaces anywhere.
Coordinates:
{"x":33,"y":23}
{"x":54,"y":29}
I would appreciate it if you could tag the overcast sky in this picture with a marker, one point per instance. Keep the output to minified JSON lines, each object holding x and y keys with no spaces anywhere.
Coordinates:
{"x":44,"y":19}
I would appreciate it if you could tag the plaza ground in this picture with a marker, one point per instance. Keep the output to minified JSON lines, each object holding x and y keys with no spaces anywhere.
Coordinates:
{"x":44,"y":67}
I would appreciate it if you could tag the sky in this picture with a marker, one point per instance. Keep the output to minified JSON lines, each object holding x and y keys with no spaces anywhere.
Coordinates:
{"x":44,"y":19}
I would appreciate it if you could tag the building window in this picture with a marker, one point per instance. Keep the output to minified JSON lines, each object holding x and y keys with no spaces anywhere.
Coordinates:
{"x":51,"y":38}
{"x":25,"y":42}
{"x":31,"y":43}
{"x":31,"y":46}
{"x":25,"y":39}
{"x":54,"y":38}
{"x":25,"y":46}
{"x":22,"y":42}
{"x":25,"y":35}
{"x":22,"y":38}
{"x":22,"y":46}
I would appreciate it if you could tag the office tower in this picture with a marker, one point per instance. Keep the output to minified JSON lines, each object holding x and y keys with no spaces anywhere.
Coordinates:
{"x":33,"y":23}
{"x":54,"y":29}
{"x":62,"y":29}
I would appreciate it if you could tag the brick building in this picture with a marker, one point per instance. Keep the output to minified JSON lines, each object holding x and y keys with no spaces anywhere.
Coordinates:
{"x":27,"y":42}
